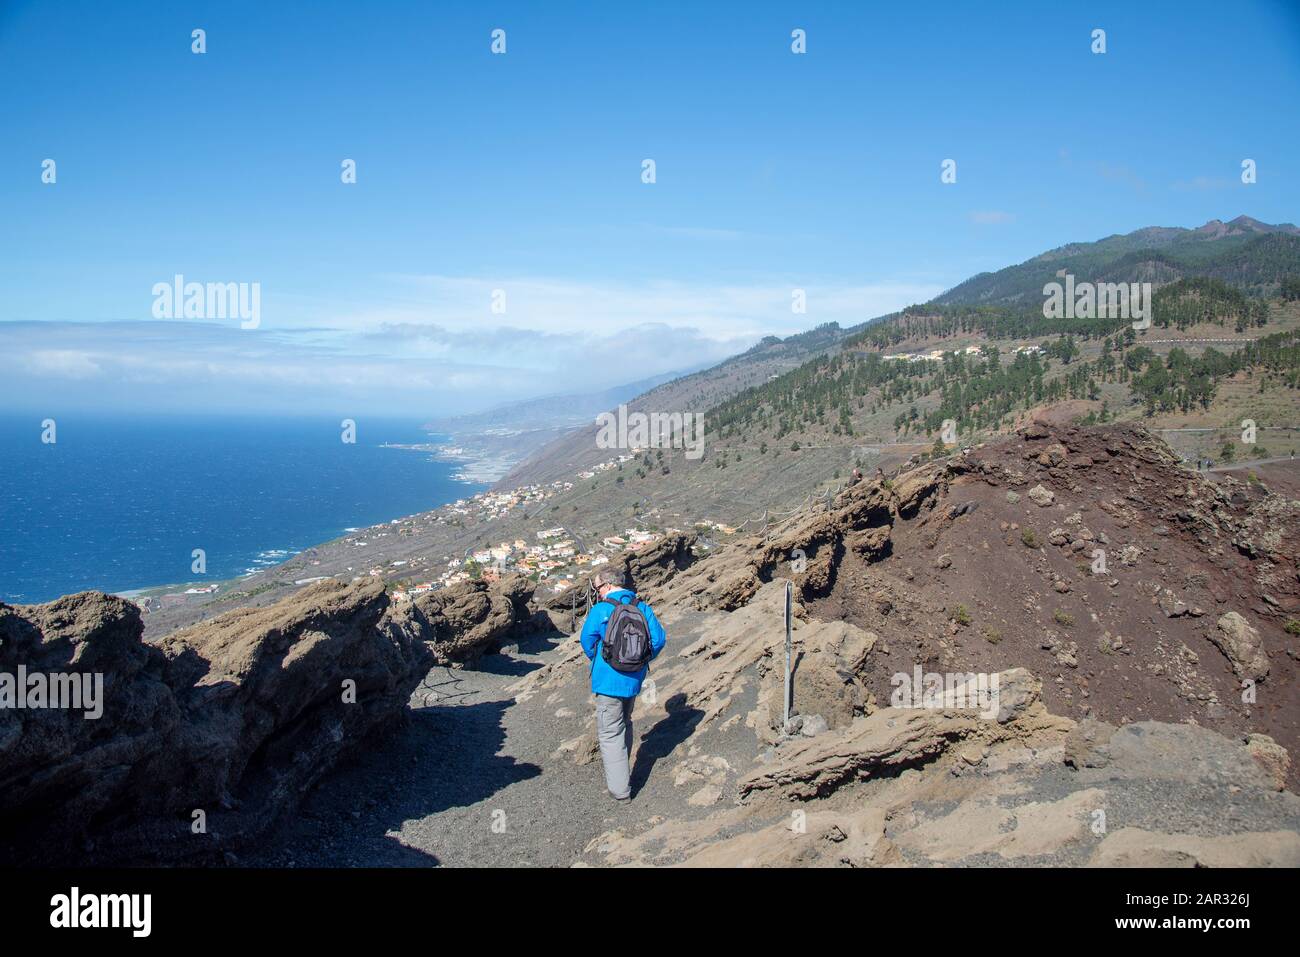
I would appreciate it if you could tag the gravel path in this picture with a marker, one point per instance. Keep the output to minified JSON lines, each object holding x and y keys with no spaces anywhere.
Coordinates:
{"x":473,"y":781}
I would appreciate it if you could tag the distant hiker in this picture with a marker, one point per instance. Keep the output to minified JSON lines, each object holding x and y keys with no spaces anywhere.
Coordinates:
{"x":621,"y":635}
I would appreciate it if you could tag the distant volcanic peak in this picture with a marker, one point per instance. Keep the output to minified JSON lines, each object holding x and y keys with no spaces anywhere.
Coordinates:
{"x":1216,"y":228}
{"x":1250,"y":224}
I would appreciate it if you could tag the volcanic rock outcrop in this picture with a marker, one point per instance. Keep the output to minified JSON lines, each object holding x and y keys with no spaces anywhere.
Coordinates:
{"x":208,"y":736}
{"x":462,"y":622}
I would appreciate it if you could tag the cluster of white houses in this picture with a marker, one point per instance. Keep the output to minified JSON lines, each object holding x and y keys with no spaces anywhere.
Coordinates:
{"x":937,"y":354}
{"x":554,"y":556}
{"x":610,"y":464}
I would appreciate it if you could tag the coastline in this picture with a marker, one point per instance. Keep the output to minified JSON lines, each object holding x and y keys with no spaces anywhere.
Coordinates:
{"x":478,"y":467}
{"x":484,"y":457}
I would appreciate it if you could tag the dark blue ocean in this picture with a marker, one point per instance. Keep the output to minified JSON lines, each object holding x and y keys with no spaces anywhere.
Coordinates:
{"x":120,"y":503}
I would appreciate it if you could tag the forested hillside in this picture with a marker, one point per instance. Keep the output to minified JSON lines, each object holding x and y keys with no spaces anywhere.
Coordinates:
{"x":986,"y":390}
{"x":1251,"y":255}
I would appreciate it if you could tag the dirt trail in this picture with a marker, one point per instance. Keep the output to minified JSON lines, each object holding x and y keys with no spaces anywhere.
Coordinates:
{"x":475,"y":778}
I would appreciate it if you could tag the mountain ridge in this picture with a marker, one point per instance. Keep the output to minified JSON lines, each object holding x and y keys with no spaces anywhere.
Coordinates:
{"x":1243,"y":251}
{"x":1016,"y":282}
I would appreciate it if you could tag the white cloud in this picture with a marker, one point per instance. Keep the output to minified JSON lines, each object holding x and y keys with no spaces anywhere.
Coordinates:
{"x":435,"y":349}
{"x":190,"y":365}
{"x":721,"y":312}
{"x":62,"y":363}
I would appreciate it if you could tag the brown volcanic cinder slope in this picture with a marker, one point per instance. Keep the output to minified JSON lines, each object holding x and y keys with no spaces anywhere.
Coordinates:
{"x":984,"y":562}
{"x":1199,"y":583}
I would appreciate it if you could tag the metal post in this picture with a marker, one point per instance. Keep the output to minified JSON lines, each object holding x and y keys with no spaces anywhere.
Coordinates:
{"x":786,"y":723}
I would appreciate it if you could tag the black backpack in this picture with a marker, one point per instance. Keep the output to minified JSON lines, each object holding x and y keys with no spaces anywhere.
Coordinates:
{"x":626,"y":645}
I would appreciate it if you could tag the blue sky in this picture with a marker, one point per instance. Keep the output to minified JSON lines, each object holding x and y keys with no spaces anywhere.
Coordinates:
{"x":522,"y":172}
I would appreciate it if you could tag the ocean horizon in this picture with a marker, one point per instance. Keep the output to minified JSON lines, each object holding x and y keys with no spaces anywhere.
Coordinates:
{"x":119,"y":504}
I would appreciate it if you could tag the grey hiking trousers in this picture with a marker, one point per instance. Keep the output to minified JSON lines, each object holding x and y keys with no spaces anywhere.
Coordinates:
{"x":614,"y":733}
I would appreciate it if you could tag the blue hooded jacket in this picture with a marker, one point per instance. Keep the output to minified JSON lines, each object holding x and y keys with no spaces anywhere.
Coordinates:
{"x":604,"y":679}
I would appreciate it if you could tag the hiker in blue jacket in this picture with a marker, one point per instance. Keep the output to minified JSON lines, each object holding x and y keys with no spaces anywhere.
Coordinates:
{"x":616,"y":688}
